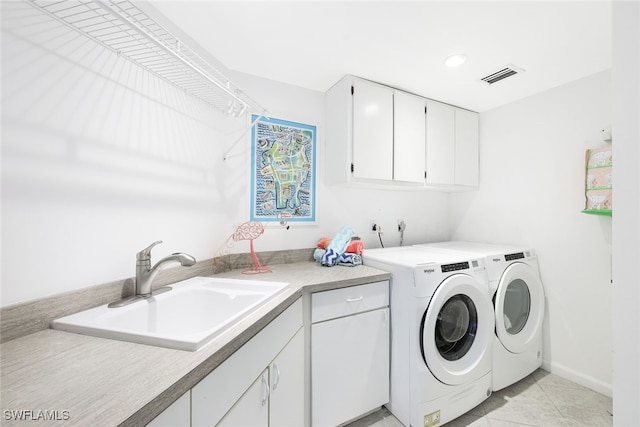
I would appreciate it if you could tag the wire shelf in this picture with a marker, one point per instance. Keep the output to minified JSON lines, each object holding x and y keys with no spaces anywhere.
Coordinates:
{"x":125,"y":29}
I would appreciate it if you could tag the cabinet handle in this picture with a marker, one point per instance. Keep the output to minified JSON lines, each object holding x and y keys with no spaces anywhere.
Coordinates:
{"x":276,"y":380}
{"x":265,"y":389}
{"x":360,"y":298}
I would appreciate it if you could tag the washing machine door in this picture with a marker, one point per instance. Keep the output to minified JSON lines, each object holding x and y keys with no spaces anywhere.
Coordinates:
{"x":519,"y":307}
{"x":456,"y":330}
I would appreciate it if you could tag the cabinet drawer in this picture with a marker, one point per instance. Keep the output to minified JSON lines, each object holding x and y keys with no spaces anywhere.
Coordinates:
{"x":346,"y":301}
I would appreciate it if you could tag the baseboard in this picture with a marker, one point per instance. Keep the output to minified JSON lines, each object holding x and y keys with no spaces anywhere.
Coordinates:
{"x":578,"y":377}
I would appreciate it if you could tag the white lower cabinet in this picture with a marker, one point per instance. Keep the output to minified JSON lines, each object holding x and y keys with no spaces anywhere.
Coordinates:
{"x":261,"y":384}
{"x":349,"y":352}
{"x":276,"y":397}
{"x":253,"y":407}
{"x":248,"y":389}
{"x":176,"y":415}
{"x":286,"y":373}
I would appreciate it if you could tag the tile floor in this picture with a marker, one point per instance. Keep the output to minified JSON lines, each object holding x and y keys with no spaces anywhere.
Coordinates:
{"x":542,"y":400}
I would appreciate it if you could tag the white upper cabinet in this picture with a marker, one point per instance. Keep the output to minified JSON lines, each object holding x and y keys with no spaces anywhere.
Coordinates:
{"x":372,"y":131}
{"x":452,"y":146}
{"x":376,"y":135}
{"x":467,"y":153}
{"x":440,"y":150}
{"x":408,"y":137}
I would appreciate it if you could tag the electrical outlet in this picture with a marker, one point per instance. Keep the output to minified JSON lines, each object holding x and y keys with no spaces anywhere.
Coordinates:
{"x":401,"y":225}
{"x":373,"y":226}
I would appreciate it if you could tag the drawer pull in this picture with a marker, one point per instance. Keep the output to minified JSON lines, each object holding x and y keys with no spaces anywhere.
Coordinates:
{"x":360,"y":298}
{"x":265,"y":391}
{"x":276,"y":374}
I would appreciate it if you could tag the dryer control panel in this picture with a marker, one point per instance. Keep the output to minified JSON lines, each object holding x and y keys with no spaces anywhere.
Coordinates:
{"x":511,"y":257}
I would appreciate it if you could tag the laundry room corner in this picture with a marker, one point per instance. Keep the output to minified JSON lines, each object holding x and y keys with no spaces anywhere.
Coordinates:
{"x":532,"y":193}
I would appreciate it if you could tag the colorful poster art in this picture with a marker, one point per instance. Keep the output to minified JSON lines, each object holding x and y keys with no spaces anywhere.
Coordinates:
{"x":283,"y":173}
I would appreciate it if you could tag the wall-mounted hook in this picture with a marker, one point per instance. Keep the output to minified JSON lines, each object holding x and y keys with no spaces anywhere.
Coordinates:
{"x":253,"y":123}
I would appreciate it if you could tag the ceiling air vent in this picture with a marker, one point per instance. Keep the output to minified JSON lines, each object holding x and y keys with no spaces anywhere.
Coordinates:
{"x":507,"y":71}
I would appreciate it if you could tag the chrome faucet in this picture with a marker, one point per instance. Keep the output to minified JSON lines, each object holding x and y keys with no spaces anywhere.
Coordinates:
{"x":145,"y":273}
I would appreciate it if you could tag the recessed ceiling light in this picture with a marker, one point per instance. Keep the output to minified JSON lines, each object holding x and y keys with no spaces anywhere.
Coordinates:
{"x":455,"y":60}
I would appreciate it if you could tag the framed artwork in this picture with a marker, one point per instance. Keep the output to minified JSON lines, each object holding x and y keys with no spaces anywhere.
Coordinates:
{"x":283,"y":171}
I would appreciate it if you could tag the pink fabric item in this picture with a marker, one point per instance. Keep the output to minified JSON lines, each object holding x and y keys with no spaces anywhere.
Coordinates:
{"x":355,"y":247}
{"x":323,"y":243}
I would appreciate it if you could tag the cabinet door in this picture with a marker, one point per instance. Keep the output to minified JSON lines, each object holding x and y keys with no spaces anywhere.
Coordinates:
{"x":252,"y":410}
{"x":349,"y":367}
{"x":212,"y":397}
{"x":176,"y":415}
{"x":440,"y":144}
{"x":409,"y":138}
{"x":287,"y":385}
{"x":466,"y":172}
{"x":372,"y":131}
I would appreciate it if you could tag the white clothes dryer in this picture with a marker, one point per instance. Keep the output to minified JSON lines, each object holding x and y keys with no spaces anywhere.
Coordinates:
{"x":441,"y":333}
{"x":519,"y":300}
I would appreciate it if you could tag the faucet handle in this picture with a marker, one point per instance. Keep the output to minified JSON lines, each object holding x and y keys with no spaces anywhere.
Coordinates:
{"x":145,"y":254}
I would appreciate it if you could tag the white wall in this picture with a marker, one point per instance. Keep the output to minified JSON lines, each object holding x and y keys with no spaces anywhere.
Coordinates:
{"x":531,"y":193}
{"x":626,"y":220}
{"x":100,"y":158}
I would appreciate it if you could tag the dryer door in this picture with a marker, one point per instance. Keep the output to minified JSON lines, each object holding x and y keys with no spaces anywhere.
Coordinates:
{"x":519,"y":307}
{"x":456,"y":330}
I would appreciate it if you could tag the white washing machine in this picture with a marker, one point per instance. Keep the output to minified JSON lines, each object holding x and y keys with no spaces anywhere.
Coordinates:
{"x":441,"y":333}
{"x":518,"y":298}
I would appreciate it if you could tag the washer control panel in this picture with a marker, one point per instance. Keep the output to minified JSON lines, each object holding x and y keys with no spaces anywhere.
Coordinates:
{"x":446,"y":268}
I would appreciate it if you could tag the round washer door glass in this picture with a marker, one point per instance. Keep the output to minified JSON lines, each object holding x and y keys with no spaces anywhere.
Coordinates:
{"x":456,"y":327}
{"x":456,"y":330}
{"x":517,"y":303}
{"x":519,"y":307}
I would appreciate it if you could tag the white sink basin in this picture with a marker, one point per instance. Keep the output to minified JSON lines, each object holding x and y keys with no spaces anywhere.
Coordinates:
{"x":189,"y":316}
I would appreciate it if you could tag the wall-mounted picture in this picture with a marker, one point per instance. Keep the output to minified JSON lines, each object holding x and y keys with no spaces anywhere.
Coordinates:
{"x":598,"y":181}
{"x":283,"y":172}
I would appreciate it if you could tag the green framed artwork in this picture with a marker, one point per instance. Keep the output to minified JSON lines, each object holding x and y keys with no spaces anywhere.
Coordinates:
{"x":598,"y":181}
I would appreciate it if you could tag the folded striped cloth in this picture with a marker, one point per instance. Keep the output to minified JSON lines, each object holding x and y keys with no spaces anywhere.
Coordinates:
{"x":349,"y":259}
{"x":337,"y":246}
